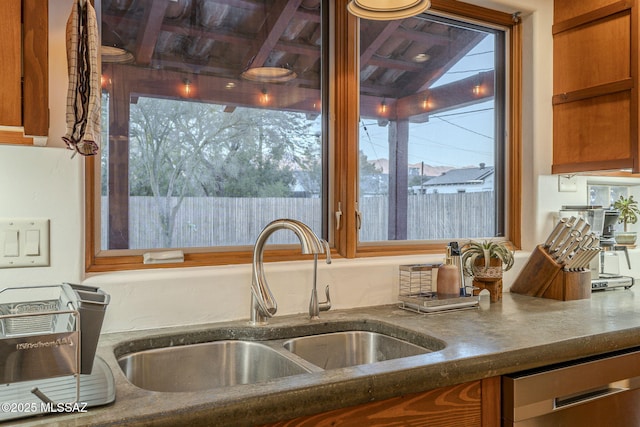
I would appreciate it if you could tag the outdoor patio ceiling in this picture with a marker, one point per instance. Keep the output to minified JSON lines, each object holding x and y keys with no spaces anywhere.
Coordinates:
{"x":211,"y":43}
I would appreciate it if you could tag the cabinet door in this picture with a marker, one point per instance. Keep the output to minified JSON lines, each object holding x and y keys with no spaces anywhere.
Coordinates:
{"x":10,"y":64}
{"x":592,"y":54}
{"x":595,"y":125}
{"x":24,"y":67}
{"x":472,"y":404}
{"x":565,"y":10}
{"x":35,"y":59}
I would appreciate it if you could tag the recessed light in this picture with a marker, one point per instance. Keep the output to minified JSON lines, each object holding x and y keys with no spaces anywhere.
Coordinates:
{"x":421,"y":57}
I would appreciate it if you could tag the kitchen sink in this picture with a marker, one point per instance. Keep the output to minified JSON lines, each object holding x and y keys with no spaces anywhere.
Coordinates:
{"x":351,"y":348}
{"x":203,"y":366}
{"x":224,"y":357}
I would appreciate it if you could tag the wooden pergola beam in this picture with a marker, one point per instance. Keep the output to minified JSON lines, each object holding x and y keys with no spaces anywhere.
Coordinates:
{"x":154,"y":12}
{"x":212,"y":89}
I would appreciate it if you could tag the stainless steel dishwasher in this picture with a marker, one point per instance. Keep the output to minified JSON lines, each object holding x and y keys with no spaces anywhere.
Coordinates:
{"x":600,"y":391}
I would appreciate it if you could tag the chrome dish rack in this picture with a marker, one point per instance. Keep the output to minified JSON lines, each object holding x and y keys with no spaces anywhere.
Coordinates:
{"x":48,"y":339}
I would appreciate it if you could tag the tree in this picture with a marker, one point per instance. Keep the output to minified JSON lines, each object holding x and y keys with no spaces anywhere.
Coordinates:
{"x":372,"y":180}
{"x":180,"y":149}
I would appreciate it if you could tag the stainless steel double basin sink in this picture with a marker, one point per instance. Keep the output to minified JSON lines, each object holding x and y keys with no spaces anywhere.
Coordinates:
{"x":220,"y":358}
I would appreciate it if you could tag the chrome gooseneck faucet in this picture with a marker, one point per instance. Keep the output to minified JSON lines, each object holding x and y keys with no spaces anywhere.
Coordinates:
{"x":263,"y":304}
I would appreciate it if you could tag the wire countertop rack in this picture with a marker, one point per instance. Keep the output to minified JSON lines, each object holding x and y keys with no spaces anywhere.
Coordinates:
{"x":48,"y":339}
{"x":417,"y":291}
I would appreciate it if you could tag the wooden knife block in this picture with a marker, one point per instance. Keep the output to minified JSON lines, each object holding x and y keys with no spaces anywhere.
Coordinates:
{"x":543,"y":277}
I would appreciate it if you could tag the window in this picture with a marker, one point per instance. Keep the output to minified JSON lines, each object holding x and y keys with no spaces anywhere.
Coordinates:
{"x":432,"y":130}
{"x":197,"y":157}
{"x":201,"y":176}
{"x":201,"y":150}
{"x":604,"y":195}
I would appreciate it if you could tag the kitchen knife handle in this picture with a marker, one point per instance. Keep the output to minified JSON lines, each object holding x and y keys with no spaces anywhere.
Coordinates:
{"x":554,"y":233}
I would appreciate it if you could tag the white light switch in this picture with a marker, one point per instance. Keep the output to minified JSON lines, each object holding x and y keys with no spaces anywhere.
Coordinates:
{"x":32,"y":243}
{"x":11,"y":246}
{"x":25,"y":242}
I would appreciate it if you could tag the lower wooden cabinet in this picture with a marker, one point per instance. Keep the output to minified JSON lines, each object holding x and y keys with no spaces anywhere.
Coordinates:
{"x":472,"y":404}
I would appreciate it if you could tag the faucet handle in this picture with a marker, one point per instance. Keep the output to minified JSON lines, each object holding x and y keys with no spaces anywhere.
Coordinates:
{"x":328,"y":251}
{"x":326,"y":305}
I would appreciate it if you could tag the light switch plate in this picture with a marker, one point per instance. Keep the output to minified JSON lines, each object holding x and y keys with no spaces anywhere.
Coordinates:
{"x":31,"y":239}
{"x":567,"y":183}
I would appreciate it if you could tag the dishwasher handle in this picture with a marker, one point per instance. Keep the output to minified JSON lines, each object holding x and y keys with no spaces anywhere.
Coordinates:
{"x":587,"y":396}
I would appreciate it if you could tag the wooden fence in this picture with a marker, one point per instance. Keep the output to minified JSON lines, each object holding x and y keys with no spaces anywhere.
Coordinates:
{"x":212,"y":221}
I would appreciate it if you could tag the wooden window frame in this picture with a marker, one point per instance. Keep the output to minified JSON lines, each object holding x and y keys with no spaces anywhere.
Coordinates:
{"x":344,"y":163}
{"x":347,"y":94}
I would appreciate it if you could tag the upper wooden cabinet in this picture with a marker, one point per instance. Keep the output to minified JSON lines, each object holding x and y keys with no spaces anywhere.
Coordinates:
{"x":24,"y":89}
{"x":595,"y":102}
{"x":10,"y":64}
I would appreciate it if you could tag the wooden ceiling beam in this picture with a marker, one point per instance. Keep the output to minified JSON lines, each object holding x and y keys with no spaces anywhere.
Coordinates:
{"x":135,"y":81}
{"x":424,"y":37}
{"x":278,"y":18}
{"x":418,"y":107}
{"x":218,"y":35}
{"x":149,"y":29}
{"x":396,"y":64}
{"x":374,"y":41}
{"x":177,"y":64}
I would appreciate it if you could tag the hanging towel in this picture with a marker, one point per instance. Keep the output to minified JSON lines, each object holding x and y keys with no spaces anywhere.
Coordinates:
{"x":83,"y":95}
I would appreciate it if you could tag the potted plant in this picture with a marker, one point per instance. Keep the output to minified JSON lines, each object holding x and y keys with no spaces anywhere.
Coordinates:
{"x":486,"y":259}
{"x":485,"y":262}
{"x":629,"y":211}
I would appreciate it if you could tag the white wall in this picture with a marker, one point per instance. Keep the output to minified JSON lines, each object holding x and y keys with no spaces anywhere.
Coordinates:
{"x":42,"y":182}
{"x":45,"y":182}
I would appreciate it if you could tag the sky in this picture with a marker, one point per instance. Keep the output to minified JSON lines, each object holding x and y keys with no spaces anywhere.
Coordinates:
{"x":455,"y":138}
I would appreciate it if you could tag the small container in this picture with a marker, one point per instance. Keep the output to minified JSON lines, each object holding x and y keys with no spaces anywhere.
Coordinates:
{"x":448,"y":282}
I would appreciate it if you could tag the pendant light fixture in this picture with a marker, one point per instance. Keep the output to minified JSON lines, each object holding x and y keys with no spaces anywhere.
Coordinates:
{"x":269,"y":74}
{"x":116,"y":55}
{"x":387,"y":10}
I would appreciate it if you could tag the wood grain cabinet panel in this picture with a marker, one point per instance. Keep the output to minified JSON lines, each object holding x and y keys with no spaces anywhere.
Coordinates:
{"x":592,"y":129}
{"x":10,"y":64}
{"x":472,"y":404}
{"x":569,"y":9}
{"x":595,"y":102}
{"x":35,"y":59}
{"x":24,"y":69}
{"x":592,"y":55}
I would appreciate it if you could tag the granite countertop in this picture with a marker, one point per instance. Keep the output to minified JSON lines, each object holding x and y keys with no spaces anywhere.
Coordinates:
{"x":516,"y":334}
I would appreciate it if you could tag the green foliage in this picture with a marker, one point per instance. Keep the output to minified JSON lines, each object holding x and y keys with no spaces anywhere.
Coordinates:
{"x":628,"y":208}
{"x":485,"y":250}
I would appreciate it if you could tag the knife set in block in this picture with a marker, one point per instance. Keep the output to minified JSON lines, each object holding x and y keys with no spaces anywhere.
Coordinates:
{"x":559,"y":268}
{"x":543,"y":277}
